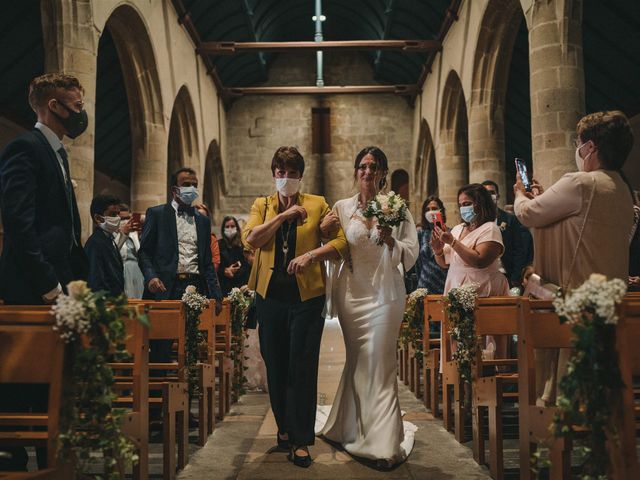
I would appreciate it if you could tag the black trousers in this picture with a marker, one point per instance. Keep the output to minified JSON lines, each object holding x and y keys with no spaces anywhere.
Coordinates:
{"x":290,"y":335}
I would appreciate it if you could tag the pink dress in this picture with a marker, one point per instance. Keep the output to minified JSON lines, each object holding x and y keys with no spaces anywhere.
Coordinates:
{"x":491,"y":282}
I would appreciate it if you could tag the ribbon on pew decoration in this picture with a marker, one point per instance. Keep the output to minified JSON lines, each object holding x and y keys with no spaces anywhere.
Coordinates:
{"x":589,"y":391}
{"x":93,"y":326}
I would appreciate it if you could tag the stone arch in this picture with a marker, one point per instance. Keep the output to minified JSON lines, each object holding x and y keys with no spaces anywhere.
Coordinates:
{"x":453,"y":146}
{"x":400,"y":183}
{"x":496,"y":38}
{"x":425,"y":176}
{"x":148,"y":133}
{"x":182,"y":148}
{"x":213,"y":183}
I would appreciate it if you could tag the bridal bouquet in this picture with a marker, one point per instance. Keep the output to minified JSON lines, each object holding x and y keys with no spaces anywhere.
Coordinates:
{"x":390,"y":209}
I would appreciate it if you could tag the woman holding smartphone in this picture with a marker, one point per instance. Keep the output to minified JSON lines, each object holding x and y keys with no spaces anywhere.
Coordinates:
{"x":234,"y":269}
{"x":430,"y":275}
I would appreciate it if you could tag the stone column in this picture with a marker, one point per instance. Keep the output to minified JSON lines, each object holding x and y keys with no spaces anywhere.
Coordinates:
{"x":486,"y":144}
{"x":453,"y":171}
{"x":71,"y":46}
{"x":557,"y":84}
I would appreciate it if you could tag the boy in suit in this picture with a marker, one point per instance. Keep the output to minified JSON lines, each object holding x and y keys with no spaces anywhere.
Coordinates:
{"x":106,"y":270}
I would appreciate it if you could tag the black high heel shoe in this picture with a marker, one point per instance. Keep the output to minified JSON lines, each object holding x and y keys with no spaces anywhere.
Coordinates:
{"x":303,"y":461}
{"x":282,"y":443}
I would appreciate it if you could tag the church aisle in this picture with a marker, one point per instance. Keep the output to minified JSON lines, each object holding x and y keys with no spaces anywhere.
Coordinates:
{"x":239,"y":447}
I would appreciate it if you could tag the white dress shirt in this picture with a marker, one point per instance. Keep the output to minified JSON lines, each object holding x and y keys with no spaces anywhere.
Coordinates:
{"x":187,"y":242}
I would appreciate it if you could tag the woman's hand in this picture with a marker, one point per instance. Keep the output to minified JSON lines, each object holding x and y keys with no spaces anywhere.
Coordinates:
{"x":536,"y":188}
{"x":384,"y":234}
{"x":437,"y":245}
{"x":444,"y":236}
{"x":330,"y":223}
{"x":518,"y":188}
{"x":293,"y":213}
{"x":634,"y":281}
{"x":231,"y":270}
{"x":298,"y":264}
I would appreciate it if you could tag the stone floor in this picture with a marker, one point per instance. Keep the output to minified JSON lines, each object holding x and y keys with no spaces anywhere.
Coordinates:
{"x":241,"y":447}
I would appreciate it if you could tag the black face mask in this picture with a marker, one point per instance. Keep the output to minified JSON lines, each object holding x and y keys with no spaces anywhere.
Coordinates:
{"x":76,"y":123}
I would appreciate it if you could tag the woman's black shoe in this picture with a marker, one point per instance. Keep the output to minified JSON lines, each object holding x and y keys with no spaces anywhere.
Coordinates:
{"x":300,"y":461}
{"x":283,"y":444}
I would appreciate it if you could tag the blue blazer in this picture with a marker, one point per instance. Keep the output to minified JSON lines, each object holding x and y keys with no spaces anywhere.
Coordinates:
{"x":158,"y":254}
{"x":106,"y":270}
{"x":39,"y":248}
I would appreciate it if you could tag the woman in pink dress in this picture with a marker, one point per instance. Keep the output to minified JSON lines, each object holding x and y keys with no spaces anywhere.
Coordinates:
{"x":472,"y":250}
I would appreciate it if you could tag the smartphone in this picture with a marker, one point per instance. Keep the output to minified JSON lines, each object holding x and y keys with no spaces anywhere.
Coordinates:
{"x":437,"y":220}
{"x":521,"y":168}
{"x":136,"y":218}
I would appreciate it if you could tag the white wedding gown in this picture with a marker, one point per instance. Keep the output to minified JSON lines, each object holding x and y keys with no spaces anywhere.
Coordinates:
{"x":365,"y":417}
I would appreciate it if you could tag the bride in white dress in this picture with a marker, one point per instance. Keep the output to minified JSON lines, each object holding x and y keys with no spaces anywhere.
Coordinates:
{"x":368,"y":296}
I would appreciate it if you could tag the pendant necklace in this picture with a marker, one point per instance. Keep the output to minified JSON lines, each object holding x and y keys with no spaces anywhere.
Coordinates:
{"x":285,"y":243}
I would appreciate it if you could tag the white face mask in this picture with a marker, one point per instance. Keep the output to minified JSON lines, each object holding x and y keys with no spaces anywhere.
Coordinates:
{"x":287,"y":187}
{"x":230,"y":232}
{"x":430,"y":215}
{"x":579,"y":160}
{"x":110,"y":224}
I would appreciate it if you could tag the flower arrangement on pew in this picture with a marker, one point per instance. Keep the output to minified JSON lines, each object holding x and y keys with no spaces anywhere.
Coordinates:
{"x":412,"y":330}
{"x":93,"y":326}
{"x":460,"y":304}
{"x":240,"y":299}
{"x":195,"y":304}
{"x":390,"y":209}
{"x":588,"y":392}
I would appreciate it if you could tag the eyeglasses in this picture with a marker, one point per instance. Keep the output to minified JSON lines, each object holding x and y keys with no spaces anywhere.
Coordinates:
{"x":371,"y":166}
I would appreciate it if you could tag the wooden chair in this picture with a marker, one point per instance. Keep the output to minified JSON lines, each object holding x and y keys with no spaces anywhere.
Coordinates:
{"x":433,"y":312}
{"x":453,"y":389}
{"x":27,"y":337}
{"x":623,"y":452}
{"x":495,"y":316}
{"x":539,"y":328}
{"x":169,"y":380}
{"x":133,"y":391}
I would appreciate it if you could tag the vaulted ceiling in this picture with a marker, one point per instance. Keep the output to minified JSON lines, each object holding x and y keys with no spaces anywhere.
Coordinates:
{"x":291,"y":20}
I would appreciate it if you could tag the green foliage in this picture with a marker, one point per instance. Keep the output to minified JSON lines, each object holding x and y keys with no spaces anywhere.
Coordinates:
{"x":89,"y":422}
{"x":412,"y":329}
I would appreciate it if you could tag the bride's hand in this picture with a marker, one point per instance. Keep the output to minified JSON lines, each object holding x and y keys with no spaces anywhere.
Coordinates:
{"x":330,"y":223}
{"x":384,"y":234}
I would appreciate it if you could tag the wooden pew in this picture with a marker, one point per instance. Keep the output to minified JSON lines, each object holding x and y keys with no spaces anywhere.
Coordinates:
{"x":27,"y":337}
{"x":167,"y":322}
{"x":433,"y":312}
{"x":222,"y":348}
{"x":539,"y":328}
{"x":133,"y":391}
{"x":453,"y":389}
{"x":415,"y":370}
{"x":623,"y":453}
{"x":495,"y":316}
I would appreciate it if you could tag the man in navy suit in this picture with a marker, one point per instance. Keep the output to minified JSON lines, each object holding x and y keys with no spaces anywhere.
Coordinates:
{"x":518,"y":242}
{"x":175,"y":246}
{"x":42,"y":251}
{"x":106,"y":270}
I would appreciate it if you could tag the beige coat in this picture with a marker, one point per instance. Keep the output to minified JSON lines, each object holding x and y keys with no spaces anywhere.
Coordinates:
{"x":558,"y":216}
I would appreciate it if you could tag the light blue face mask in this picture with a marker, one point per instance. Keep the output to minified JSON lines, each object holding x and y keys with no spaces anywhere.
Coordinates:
{"x":188,"y":194}
{"x":467,"y":213}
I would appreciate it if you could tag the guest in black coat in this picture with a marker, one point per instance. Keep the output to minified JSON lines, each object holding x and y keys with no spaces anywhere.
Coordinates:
{"x":234,"y":269}
{"x":42,"y":251}
{"x":175,"y":246}
{"x":106,"y":270}
{"x":518,"y":243}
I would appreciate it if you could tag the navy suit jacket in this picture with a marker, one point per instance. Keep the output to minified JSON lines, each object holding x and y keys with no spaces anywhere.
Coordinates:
{"x":518,"y":246}
{"x":39,"y":250}
{"x":106,"y":270}
{"x":158,"y":254}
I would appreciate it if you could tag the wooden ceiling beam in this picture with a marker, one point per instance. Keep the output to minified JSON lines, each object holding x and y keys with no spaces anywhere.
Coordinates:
{"x":403,"y":90}
{"x":232,"y":48}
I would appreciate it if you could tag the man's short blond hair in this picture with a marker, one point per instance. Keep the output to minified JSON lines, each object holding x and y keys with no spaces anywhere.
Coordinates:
{"x":45,"y":87}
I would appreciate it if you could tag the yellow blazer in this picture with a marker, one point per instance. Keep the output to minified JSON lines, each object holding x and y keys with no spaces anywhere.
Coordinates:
{"x":311,"y":282}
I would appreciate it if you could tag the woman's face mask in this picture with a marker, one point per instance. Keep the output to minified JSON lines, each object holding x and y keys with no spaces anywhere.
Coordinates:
{"x":467,"y":213}
{"x":287,"y":187}
{"x":579,"y":160}
{"x":230,"y":232}
{"x":430,"y":215}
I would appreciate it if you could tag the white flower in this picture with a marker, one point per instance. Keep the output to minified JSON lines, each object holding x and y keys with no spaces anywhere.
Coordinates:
{"x":597,"y":294}
{"x":77,"y":289}
{"x":72,"y":315}
{"x":190,"y":289}
{"x":466,"y":295}
{"x":193,"y":300}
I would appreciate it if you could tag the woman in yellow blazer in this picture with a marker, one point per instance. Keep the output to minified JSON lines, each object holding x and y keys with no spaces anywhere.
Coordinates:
{"x":290,"y":287}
